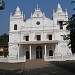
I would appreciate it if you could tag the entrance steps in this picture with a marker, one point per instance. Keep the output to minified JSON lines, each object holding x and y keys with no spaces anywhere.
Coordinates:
{"x":35,"y":63}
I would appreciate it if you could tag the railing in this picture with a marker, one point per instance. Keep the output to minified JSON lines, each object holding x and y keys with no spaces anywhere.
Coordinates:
{"x":13,"y":59}
{"x":59,"y":58}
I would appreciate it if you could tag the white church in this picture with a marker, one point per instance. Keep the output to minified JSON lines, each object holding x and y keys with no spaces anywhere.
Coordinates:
{"x":38,"y":37}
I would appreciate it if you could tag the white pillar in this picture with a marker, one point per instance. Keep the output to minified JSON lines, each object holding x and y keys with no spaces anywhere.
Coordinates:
{"x":30,"y":51}
{"x":45,"y":50}
{"x":18,"y":49}
{"x":56,"y":50}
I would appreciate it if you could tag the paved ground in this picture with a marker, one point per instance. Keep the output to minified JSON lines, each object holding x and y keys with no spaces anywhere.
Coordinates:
{"x":38,"y":67}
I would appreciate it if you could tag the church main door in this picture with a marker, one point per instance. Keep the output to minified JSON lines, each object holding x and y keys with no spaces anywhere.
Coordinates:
{"x":38,"y":52}
{"x":27,"y":54}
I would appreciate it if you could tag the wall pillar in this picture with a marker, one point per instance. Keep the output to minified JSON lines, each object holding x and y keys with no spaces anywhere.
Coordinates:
{"x":45,"y":50}
{"x":30,"y":51}
{"x":57,"y":50}
{"x":18,"y":49}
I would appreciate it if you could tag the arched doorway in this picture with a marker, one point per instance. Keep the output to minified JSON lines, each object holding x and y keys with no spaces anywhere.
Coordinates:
{"x":50,"y":53}
{"x":38,"y":52}
{"x":27,"y":55}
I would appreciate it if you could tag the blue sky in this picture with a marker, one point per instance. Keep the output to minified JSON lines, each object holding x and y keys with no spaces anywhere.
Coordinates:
{"x":28,"y":6}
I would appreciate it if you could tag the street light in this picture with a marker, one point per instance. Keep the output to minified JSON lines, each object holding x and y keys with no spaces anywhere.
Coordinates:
{"x":2,"y":4}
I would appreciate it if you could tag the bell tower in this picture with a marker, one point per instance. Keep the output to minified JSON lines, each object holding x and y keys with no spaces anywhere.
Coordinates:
{"x":16,"y":20}
{"x":60,"y":16}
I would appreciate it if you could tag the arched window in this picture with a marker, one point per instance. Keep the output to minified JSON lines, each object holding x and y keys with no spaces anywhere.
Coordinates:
{"x":27,"y":55}
{"x":15,"y":27}
{"x":50,"y":53}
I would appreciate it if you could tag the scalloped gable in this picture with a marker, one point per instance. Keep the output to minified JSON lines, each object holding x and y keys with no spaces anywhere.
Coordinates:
{"x":38,"y":13}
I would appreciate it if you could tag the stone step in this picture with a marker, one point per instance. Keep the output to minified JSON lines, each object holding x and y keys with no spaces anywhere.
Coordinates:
{"x":35,"y":63}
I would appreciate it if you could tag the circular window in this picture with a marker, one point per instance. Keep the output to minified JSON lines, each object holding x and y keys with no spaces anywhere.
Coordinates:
{"x":38,"y":23}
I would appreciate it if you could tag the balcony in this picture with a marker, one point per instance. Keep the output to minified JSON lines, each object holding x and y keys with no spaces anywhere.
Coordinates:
{"x":38,"y":42}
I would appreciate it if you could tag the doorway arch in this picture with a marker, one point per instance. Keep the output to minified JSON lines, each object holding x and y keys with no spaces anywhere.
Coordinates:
{"x":27,"y":55}
{"x":50,"y":53}
{"x":38,"y":52}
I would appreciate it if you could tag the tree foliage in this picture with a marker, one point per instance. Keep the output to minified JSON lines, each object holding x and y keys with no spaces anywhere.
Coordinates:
{"x":4,"y":37}
{"x":71,"y":24}
{"x":71,"y":37}
{"x":71,"y":28}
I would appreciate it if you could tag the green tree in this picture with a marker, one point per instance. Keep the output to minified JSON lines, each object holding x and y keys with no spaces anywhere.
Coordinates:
{"x":71,"y":28}
{"x":4,"y":37}
{"x":71,"y":36}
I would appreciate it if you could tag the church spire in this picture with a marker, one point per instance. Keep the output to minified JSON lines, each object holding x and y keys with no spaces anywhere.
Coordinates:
{"x":17,"y":9}
{"x":59,"y":8}
{"x":17,"y":12}
{"x":66,"y":11}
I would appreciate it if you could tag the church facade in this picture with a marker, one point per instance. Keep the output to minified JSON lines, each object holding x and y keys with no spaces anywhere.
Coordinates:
{"x":38,"y":37}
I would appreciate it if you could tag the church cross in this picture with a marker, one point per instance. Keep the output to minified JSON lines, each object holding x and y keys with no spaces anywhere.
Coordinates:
{"x":37,"y":6}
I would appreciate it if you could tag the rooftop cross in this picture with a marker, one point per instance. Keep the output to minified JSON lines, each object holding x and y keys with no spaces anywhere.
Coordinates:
{"x":37,"y":6}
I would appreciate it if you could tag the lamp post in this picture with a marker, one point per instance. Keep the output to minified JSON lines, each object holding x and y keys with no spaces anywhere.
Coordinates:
{"x":2,"y":4}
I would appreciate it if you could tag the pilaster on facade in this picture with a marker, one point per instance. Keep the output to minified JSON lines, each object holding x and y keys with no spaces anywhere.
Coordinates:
{"x":30,"y":51}
{"x":45,"y":50}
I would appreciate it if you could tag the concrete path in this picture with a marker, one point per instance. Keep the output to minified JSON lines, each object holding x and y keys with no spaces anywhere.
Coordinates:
{"x":38,"y":67}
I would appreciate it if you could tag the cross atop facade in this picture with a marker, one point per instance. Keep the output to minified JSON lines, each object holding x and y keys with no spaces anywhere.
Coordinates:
{"x":37,"y":6}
